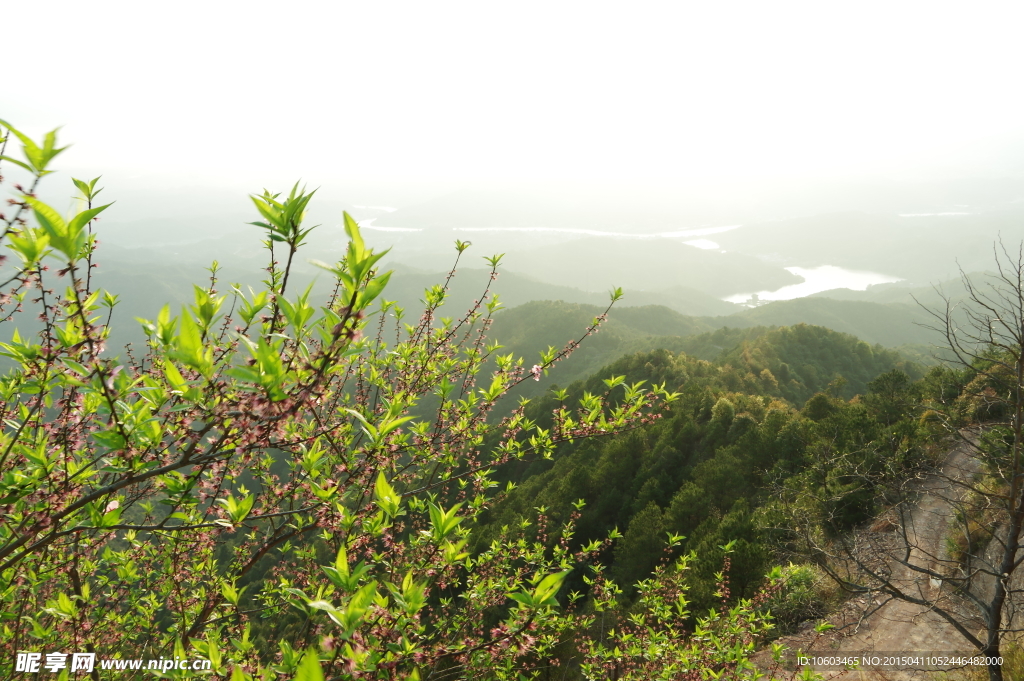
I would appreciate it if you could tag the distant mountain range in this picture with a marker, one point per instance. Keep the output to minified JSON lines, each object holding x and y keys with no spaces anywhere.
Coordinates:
{"x":920,"y":247}
{"x":887,"y":315}
{"x":529,"y":329}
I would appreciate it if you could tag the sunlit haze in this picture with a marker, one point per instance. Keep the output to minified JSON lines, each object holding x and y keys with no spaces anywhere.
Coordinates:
{"x":472,"y":91}
{"x":730,"y":148}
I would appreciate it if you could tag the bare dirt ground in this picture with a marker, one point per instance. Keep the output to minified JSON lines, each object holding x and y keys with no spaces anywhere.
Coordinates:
{"x":876,"y":624}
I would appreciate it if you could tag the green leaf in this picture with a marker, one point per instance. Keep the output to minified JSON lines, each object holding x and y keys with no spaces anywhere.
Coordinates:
{"x":231,"y":594}
{"x":523,"y":598}
{"x":545,"y":592}
{"x":356,"y":245}
{"x":387,"y":498}
{"x":88,"y":189}
{"x":16,"y":162}
{"x":189,"y":348}
{"x":237,"y":509}
{"x":111,"y":518}
{"x":68,"y":238}
{"x":49,"y":219}
{"x":357,"y":607}
{"x":444,"y":522}
{"x":38,"y":157}
{"x":82,"y":219}
{"x":174,"y":377}
{"x":373,"y":289}
{"x":30,"y":245}
{"x":413,"y":594}
{"x":309,"y":669}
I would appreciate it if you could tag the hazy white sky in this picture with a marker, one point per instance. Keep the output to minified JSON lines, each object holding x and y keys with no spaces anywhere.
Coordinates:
{"x":429,"y":90}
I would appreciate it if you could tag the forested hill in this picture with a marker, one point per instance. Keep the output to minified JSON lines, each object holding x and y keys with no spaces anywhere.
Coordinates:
{"x":532,"y":328}
{"x":144,"y":284}
{"x":891,"y":324}
{"x":706,"y":470}
{"x":407,"y":285}
{"x":796,"y":362}
{"x":792,"y":362}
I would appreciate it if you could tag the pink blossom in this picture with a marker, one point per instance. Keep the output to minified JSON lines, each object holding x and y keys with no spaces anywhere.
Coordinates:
{"x":536,"y":372}
{"x":112,"y":505}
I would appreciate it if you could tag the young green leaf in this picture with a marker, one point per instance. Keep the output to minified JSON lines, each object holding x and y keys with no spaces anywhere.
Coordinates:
{"x":386,"y":498}
{"x":309,"y":669}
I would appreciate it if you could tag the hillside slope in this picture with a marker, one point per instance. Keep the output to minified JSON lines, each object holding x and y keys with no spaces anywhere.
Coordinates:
{"x":530,"y":329}
{"x":890,"y":324}
{"x":708,"y":465}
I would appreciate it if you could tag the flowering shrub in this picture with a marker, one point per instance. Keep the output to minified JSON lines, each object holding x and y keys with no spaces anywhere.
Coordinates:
{"x":283,"y":488}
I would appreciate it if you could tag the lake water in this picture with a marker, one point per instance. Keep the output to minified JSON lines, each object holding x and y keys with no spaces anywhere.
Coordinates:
{"x":700,"y":231}
{"x":699,"y":243}
{"x":929,"y":215}
{"x":368,"y":224}
{"x":817,"y":279}
{"x":703,"y":244}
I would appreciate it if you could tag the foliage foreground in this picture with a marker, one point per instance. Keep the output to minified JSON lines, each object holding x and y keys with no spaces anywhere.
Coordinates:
{"x":286,"y":489}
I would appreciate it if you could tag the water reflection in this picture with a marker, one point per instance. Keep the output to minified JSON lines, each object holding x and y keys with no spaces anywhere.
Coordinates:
{"x":815,"y":280}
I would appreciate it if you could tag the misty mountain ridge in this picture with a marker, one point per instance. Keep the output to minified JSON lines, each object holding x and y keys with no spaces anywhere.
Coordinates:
{"x":660,"y":207}
{"x":917,"y":232}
